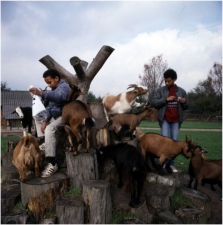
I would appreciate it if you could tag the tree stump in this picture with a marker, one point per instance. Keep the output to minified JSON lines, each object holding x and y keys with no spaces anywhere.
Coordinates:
{"x":6,"y":158}
{"x":17,"y":218}
{"x":97,"y":198}
{"x":202,"y":200}
{"x":40,"y":194}
{"x":8,"y":173}
{"x":157,"y":196}
{"x":9,"y":199}
{"x":120,"y":202}
{"x":166,"y":217}
{"x":82,"y":167}
{"x":70,"y":211}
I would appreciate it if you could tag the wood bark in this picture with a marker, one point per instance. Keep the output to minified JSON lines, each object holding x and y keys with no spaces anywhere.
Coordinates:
{"x":97,"y":198}
{"x":40,"y":194}
{"x":83,"y":77}
{"x":70,"y":211}
{"x":82,"y":167}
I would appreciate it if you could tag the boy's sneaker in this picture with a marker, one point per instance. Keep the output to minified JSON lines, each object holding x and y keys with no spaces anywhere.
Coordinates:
{"x":42,"y":147}
{"x":173,"y":169}
{"x":49,"y":170}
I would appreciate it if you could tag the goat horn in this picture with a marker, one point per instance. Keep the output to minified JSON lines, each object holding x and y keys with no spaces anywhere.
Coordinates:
{"x":132,"y":85}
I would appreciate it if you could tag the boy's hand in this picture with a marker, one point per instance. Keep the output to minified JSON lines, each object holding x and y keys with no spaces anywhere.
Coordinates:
{"x":35,"y":91}
{"x":43,"y":127}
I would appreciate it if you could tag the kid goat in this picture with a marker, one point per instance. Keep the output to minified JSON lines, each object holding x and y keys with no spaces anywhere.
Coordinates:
{"x":164,"y":148}
{"x":129,"y":161}
{"x":123,"y":102}
{"x":77,"y":118}
{"x":25,"y":115}
{"x":204,"y":169}
{"x":27,"y":156}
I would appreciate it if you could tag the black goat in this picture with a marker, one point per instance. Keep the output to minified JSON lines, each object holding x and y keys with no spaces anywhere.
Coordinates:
{"x":131,"y":163}
{"x":25,"y":115}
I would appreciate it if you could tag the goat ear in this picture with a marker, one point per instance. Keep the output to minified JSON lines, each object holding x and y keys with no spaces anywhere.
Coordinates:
{"x":13,"y":112}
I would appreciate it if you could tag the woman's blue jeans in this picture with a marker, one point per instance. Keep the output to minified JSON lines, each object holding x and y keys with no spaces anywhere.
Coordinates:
{"x":170,"y":130}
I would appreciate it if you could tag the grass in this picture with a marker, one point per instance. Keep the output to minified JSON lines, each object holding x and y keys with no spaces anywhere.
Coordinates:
{"x":185,"y":124}
{"x":118,"y":217}
{"x":4,"y":141}
{"x":179,"y":200}
{"x":73,"y":193}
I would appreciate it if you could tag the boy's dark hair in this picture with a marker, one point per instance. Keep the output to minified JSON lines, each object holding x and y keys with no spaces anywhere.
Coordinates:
{"x":51,"y":73}
{"x":170,"y":73}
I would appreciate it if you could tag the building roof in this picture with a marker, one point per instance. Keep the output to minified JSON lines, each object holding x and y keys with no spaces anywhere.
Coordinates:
{"x":12,"y":99}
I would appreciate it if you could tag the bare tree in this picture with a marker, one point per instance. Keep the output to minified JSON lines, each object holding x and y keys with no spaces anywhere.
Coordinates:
{"x":153,"y":75}
{"x":216,"y":75}
{"x":4,"y":86}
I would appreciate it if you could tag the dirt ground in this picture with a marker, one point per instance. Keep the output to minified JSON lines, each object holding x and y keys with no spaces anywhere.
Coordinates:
{"x":216,"y":203}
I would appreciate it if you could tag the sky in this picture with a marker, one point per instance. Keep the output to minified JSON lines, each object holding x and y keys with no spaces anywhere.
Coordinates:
{"x":188,"y":35}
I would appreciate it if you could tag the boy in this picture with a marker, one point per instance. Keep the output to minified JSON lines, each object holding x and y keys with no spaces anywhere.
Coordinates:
{"x":170,"y":100}
{"x":56,"y":98}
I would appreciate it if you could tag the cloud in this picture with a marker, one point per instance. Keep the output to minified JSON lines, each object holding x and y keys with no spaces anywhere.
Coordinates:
{"x":189,"y":39}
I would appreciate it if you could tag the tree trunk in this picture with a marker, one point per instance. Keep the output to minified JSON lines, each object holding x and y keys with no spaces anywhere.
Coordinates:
{"x":82,"y":167}
{"x":83,"y":77}
{"x":70,"y":211}
{"x":97,"y":198}
{"x":40,"y":194}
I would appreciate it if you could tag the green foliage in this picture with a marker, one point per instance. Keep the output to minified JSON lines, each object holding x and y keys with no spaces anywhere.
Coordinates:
{"x":73,"y":193}
{"x":178,"y":200}
{"x":91,"y":98}
{"x":118,"y":217}
{"x":18,"y":207}
{"x":4,"y":141}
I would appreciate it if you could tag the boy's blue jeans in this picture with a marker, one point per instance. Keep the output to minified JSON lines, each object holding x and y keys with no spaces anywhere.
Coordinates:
{"x":170,"y":130}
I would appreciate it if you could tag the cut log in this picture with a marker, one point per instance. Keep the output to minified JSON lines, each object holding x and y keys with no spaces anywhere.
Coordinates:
{"x":82,"y":167}
{"x":191,"y":216}
{"x":202,"y":200}
{"x":9,"y":199}
{"x":6,"y":158}
{"x":157,"y":196}
{"x":8,"y":173}
{"x":17,"y":218}
{"x":70,"y":211}
{"x":97,"y":198}
{"x":40,"y":194}
{"x":120,"y":202}
{"x":166,"y":217}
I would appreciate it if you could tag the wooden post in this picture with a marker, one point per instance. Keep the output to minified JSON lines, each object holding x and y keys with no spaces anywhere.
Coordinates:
{"x":82,"y":167}
{"x":40,"y":194}
{"x":97,"y":198}
{"x":70,"y":211}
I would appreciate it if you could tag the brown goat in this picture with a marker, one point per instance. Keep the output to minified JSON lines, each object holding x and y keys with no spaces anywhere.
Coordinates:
{"x":201,"y":169}
{"x":77,"y":117}
{"x":27,"y":156}
{"x":129,"y":120}
{"x":164,"y":148}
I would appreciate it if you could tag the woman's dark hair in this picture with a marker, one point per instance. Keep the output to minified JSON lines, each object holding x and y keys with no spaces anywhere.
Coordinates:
{"x":170,"y":73}
{"x":51,"y":73}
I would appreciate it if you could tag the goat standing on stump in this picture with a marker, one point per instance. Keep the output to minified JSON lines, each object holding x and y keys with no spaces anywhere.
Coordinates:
{"x":129,"y":120}
{"x":203,"y":170}
{"x":77,"y":118}
{"x":129,"y":161}
{"x":123,"y":102}
{"x":25,"y":115}
{"x":27,"y":156}
{"x":164,"y":148}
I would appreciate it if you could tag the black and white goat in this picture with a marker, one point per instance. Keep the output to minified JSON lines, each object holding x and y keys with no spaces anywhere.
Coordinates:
{"x":129,"y":162}
{"x":25,"y":115}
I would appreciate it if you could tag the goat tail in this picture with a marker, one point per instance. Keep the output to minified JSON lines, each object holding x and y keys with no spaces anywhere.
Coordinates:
{"x":89,"y":122}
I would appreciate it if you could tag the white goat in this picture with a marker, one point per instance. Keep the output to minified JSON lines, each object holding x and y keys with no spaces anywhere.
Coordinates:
{"x":123,"y":102}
